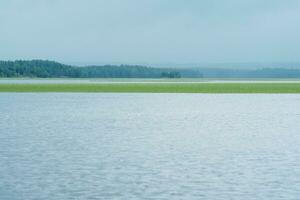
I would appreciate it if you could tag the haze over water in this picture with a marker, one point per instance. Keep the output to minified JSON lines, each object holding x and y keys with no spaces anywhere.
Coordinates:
{"x":156,"y":31}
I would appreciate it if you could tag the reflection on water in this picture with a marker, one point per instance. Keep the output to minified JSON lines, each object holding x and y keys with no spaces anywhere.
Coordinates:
{"x":149,"y":146}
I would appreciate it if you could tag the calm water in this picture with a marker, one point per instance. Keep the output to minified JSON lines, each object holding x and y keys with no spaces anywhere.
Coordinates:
{"x":149,"y":146}
{"x":138,"y":80}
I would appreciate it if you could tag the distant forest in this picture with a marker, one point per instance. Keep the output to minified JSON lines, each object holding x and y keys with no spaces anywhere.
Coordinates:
{"x":50,"y":69}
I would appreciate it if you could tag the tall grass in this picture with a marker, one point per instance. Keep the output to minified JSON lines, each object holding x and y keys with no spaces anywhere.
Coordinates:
{"x":157,"y":87}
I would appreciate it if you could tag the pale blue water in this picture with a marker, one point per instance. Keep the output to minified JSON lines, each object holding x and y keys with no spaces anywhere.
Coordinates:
{"x":137,"y":80}
{"x":149,"y":146}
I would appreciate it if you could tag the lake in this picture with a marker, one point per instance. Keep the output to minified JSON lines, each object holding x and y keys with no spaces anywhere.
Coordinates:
{"x":141,"y":80}
{"x":149,"y":146}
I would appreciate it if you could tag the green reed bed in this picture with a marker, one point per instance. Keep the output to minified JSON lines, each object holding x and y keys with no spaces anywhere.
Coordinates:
{"x":157,"y":87}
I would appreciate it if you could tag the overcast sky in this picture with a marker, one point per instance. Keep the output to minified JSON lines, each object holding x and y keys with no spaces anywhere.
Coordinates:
{"x":150,"y":31}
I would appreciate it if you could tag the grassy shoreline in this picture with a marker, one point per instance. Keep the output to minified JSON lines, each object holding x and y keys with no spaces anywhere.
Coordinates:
{"x":156,"y":87}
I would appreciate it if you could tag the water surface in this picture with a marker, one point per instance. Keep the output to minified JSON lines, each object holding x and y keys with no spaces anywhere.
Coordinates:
{"x":142,"y":80}
{"x":149,"y":146}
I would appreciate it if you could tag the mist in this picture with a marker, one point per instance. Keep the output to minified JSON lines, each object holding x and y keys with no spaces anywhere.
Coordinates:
{"x":150,"y":31}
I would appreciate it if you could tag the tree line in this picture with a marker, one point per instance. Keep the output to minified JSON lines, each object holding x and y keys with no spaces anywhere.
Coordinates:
{"x":51,"y":69}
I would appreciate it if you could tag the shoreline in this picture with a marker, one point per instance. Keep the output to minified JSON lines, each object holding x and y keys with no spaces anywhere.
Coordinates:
{"x":155,"y":87}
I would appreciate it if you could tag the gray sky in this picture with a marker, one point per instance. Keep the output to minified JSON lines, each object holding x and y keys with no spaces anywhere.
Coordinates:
{"x":150,"y":31}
